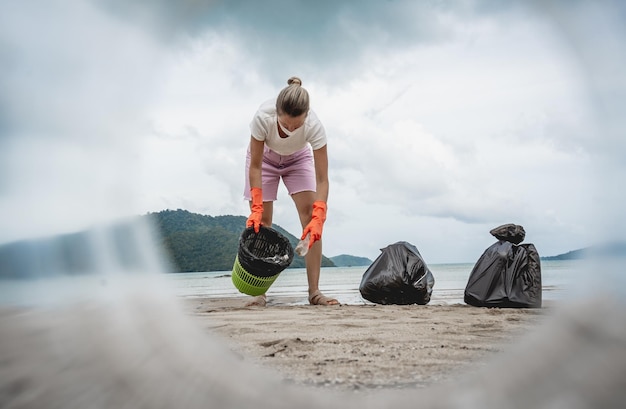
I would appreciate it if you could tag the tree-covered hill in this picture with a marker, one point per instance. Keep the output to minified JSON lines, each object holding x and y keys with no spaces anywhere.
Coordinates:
{"x":195,"y":242}
{"x":345,"y":260}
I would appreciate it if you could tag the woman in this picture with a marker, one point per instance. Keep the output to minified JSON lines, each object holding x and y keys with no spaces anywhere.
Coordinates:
{"x":288,"y":141}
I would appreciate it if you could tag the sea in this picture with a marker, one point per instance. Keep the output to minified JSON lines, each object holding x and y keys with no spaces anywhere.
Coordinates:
{"x":559,"y":280}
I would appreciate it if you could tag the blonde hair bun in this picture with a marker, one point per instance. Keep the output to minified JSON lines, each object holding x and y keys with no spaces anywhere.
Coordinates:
{"x":294,"y":80}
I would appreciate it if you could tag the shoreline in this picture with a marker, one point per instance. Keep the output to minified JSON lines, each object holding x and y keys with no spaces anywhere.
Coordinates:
{"x":363,"y":347}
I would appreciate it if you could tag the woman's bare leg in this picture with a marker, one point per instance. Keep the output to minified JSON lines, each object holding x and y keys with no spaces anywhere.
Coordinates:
{"x":304,"y":204}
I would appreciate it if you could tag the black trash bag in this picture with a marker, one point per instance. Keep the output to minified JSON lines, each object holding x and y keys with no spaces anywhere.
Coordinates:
{"x":506,"y":275}
{"x":398,"y":276}
{"x":265,"y":253}
{"x":513,"y":233}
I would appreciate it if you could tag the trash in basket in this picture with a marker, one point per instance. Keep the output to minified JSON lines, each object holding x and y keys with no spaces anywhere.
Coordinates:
{"x":261,"y":258}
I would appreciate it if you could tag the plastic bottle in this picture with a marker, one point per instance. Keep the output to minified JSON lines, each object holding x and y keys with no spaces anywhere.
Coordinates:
{"x":303,"y":246}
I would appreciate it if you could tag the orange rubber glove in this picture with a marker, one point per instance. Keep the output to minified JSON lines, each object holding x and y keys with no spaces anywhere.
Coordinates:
{"x":257,"y":209}
{"x":316,"y":224}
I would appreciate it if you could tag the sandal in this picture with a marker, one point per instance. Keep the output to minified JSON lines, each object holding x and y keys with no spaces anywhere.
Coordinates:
{"x":317,"y":298}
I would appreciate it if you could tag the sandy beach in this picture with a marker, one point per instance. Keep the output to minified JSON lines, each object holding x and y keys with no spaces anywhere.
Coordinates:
{"x":364,"y":347}
{"x":141,"y":350}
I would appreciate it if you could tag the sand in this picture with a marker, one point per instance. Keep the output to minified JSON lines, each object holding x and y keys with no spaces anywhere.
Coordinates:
{"x":364,"y":347}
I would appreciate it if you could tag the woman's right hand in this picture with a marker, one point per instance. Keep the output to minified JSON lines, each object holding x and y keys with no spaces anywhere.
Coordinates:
{"x":254,"y":220}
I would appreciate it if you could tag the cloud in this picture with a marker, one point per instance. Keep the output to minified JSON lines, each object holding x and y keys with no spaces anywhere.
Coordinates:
{"x":74,"y":92}
{"x":325,"y":40}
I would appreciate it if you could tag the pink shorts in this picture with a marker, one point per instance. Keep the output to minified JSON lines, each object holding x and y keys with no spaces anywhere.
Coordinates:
{"x":297,"y":171}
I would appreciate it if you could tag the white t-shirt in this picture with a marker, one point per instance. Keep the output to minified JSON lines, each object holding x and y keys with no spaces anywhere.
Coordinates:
{"x":264,"y":127}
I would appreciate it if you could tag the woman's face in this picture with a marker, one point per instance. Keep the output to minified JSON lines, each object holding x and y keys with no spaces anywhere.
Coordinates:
{"x":291,"y":123}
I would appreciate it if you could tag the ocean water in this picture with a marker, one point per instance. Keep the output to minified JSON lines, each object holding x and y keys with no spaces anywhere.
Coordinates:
{"x":559,"y":279}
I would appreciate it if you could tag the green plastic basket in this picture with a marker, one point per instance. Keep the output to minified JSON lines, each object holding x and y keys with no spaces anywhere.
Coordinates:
{"x":260,"y":259}
{"x":248,"y":283}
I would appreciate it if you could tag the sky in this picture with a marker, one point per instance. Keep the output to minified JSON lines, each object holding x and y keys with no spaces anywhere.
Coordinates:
{"x":444,"y":119}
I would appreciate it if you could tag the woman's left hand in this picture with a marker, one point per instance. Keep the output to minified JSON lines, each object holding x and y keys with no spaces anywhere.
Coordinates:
{"x":316,"y":225}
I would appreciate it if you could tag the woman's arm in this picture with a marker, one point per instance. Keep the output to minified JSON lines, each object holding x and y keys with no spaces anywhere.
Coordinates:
{"x":321,"y":173}
{"x":256,"y":161}
{"x":318,"y":216}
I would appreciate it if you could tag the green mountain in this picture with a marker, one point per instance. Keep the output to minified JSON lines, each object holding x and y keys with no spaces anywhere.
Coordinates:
{"x":195,"y":242}
{"x":345,"y":260}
